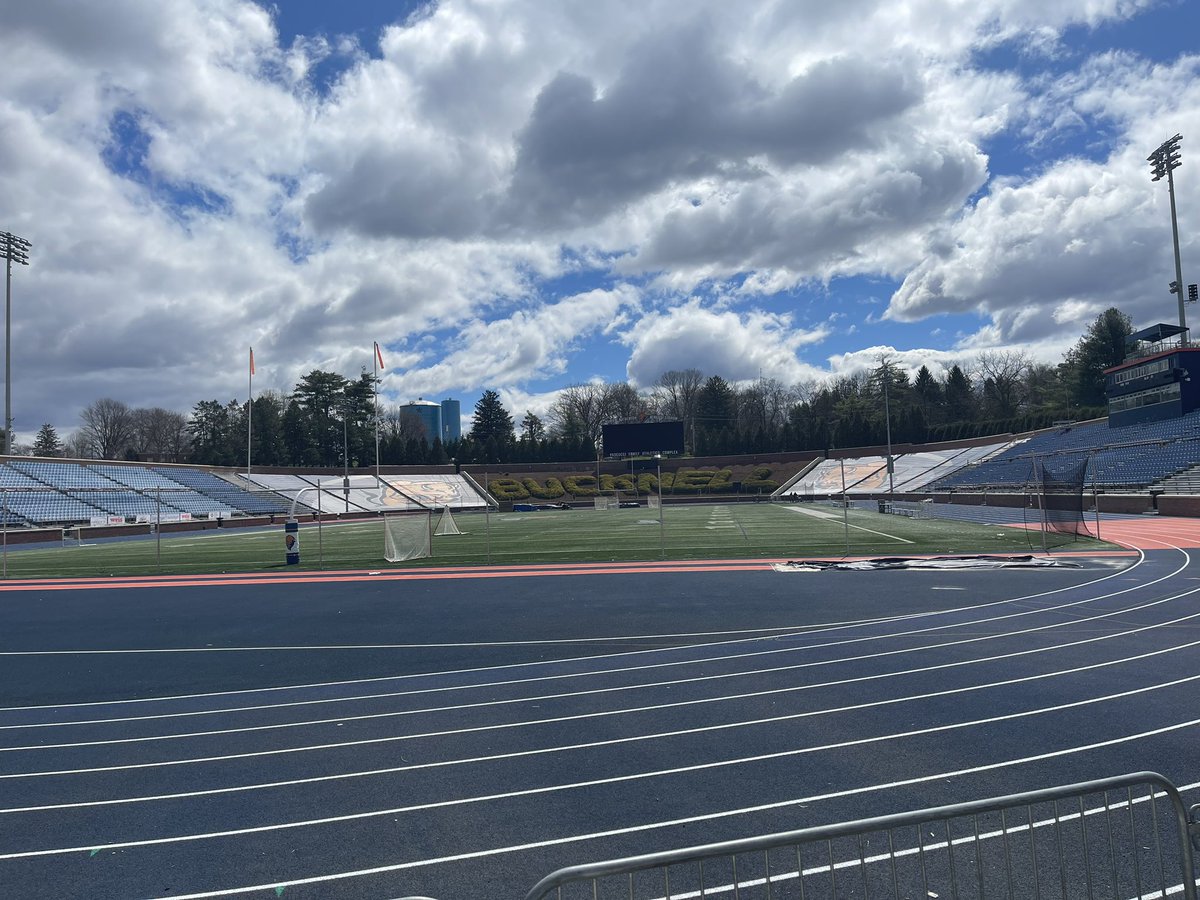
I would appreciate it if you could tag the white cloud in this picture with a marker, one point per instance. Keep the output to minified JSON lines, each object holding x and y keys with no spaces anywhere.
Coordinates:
{"x":510,"y":351}
{"x":739,"y":347}
{"x":1045,"y":254}
{"x":190,"y":192}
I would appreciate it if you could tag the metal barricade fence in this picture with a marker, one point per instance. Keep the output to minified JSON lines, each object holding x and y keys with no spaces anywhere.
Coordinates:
{"x":1112,"y":839}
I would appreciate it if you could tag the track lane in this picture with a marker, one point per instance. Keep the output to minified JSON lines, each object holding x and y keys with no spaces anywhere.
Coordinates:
{"x":497,"y":847}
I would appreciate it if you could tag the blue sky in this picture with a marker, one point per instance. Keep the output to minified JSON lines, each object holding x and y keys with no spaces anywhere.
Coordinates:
{"x":523,"y":196}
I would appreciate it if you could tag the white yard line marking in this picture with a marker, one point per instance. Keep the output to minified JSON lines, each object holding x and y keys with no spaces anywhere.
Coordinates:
{"x":826,"y":517}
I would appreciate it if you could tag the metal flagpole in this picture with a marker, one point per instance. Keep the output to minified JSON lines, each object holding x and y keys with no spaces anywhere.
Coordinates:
{"x":250,"y":413}
{"x":4,"y":497}
{"x":158,"y":528}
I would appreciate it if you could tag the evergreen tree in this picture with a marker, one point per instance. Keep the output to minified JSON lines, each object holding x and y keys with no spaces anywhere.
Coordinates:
{"x":960,"y":400}
{"x":270,"y":449}
{"x":532,"y":429}
{"x":297,"y":436}
{"x":492,"y":421}
{"x":1101,"y":347}
{"x":212,"y":433}
{"x":321,"y":397}
{"x":47,"y":443}
{"x":928,"y":392}
{"x":716,"y":412}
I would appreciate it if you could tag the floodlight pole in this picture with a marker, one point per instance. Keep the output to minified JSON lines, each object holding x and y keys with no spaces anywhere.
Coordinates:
{"x":346,"y":455}
{"x":845,"y":507}
{"x":887,"y":420}
{"x":249,"y":410}
{"x":1164,"y":161}
{"x":376,"y":359}
{"x":14,"y":250}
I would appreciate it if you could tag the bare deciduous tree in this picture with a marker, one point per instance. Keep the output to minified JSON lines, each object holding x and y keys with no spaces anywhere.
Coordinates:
{"x":158,"y":434}
{"x":107,"y":428}
{"x":581,"y":410}
{"x":1002,"y":376}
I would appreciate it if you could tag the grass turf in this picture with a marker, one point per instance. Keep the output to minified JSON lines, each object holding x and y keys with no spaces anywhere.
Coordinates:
{"x":718,"y":531}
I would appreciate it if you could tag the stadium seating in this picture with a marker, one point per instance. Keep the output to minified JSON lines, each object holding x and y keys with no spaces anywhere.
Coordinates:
{"x":868,"y":474}
{"x":64,"y":476}
{"x":14,"y":478}
{"x":1130,"y":458}
{"x":123,"y":503}
{"x":223,"y":492}
{"x":50,"y":507}
{"x":173,"y":495}
{"x":137,"y":477}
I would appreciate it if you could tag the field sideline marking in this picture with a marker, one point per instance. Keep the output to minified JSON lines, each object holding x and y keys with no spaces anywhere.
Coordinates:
{"x":614,"y":779}
{"x":701,"y":729}
{"x":823,"y":517}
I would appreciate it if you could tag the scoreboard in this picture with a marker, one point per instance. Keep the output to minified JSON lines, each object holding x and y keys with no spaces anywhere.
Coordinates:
{"x":643,"y":439}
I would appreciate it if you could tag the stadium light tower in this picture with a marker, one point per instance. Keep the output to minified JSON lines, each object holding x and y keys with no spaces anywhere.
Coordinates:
{"x":14,"y":250}
{"x":1164,"y":161}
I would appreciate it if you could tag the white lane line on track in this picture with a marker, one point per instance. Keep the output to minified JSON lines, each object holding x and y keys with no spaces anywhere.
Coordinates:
{"x":523,"y":700}
{"x":602,"y":639}
{"x":639,"y":669}
{"x":525,"y":723}
{"x":703,"y":729}
{"x":799,"y":631}
{"x":689,"y":820}
{"x":615,"y":779}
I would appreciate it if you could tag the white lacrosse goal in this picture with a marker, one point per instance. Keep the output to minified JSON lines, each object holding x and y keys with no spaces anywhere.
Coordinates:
{"x":446,"y":523}
{"x":407,"y":535}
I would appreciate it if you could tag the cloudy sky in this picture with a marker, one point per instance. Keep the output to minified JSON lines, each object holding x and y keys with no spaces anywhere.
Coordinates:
{"x":525,"y":195}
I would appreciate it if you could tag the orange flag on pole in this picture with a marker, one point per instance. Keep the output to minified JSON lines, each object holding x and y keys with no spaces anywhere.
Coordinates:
{"x":379,"y":356}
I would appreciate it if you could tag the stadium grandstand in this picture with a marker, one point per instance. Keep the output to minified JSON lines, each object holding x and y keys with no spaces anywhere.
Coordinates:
{"x":911,"y":472}
{"x":41,"y":493}
{"x":1143,"y":456}
{"x":366,"y":493}
{"x":1160,"y":457}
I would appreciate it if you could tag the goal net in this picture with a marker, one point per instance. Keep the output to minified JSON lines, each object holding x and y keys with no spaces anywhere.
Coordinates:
{"x":603,"y":502}
{"x":653,"y":501}
{"x":446,"y":523}
{"x":406,"y":536}
{"x":1055,"y":500}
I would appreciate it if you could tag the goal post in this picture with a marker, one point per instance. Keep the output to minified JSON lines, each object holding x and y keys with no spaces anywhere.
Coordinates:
{"x":446,"y":524}
{"x":407,"y":535}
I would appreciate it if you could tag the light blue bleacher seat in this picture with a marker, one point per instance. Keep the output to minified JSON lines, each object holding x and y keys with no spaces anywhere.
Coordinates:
{"x":222,"y":491}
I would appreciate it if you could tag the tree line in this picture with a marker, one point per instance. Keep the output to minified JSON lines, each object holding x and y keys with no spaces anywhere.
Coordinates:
{"x":998,"y":392}
{"x":329,"y":421}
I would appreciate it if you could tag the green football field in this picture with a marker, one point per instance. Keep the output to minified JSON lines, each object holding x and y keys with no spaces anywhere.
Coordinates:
{"x":717,"y":531}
